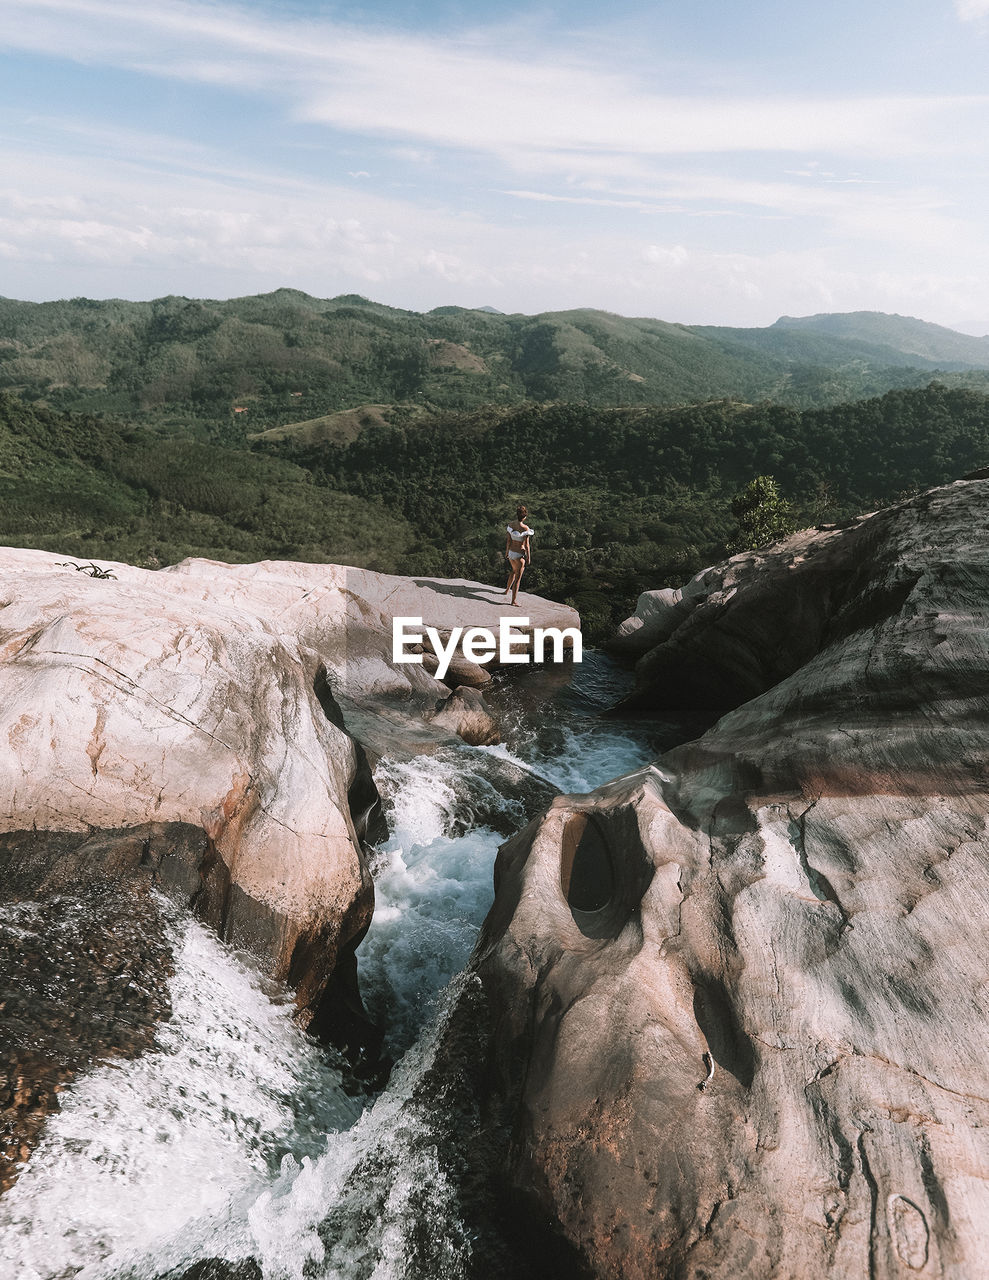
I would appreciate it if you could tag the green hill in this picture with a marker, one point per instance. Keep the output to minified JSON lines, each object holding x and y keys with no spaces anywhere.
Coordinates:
{"x":860,"y":339}
{"x":915,"y":339}
{"x":225,"y":371}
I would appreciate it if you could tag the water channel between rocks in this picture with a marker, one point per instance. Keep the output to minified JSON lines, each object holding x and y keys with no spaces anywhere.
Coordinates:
{"x":234,"y":1138}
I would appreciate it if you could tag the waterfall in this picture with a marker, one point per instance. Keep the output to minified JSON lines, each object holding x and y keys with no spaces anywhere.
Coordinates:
{"x":236,"y":1138}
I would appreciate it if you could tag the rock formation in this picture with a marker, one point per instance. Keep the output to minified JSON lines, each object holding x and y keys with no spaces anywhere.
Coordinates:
{"x":199,"y":730}
{"x":658,"y":614}
{"x":736,"y":1002}
{"x":188,"y":730}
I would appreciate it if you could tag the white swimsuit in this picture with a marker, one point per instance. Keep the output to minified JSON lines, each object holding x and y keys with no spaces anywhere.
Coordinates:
{"x":518,"y":535}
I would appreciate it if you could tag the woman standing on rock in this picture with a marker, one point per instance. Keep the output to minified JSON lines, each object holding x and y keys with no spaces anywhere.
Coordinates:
{"x":518,"y":551}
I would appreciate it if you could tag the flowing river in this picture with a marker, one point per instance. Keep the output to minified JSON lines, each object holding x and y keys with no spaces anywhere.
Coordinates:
{"x":237,"y":1146}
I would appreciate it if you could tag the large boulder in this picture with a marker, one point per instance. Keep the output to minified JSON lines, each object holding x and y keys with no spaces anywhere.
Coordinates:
{"x":341,"y":620}
{"x":197,"y":730}
{"x":739,"y":628}
{"x":190,"y":731}
{"x":200,"y":716}
{"x":736,"y":1003}
{"x":659,"y":613}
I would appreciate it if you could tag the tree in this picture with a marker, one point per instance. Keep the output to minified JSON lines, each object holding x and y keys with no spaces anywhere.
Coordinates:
{"x":763,"y":515}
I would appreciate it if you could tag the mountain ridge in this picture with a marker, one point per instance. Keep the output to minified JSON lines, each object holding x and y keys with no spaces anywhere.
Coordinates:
{"x":234,"y":368}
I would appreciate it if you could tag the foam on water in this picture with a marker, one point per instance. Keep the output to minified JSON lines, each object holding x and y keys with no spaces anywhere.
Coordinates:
{"x":234,"y":1138}
{"x":583,"y":760}
{"x":142,"y":1149}
{"x":377,"y":1204}
{"x":432,"y":890}
{"x":434,"y":875}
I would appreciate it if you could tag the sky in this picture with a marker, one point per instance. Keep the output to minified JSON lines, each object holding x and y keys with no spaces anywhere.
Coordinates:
{"x":697,"y":161}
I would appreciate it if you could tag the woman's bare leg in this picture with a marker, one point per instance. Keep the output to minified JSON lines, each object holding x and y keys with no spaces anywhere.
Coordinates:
{"x":518,"y":567}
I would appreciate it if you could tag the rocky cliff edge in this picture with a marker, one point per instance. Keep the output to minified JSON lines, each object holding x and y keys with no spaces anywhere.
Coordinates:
{"x":737,"y":1001}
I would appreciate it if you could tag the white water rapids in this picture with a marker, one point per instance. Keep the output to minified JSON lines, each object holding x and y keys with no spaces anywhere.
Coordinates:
{"x":234,"y":1138}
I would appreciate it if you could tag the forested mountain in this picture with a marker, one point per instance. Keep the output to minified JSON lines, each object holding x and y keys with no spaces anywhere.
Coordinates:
{"x":622,"y":499}
{"x":899,"y":335}
{"x":811,"y":345}
{"x":227,"y":370}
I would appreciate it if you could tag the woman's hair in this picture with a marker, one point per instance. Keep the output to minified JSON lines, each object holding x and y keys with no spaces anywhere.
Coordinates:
{"x":521,"y":511}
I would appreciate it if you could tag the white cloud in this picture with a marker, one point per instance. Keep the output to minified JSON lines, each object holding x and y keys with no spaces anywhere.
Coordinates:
{"x":599,"y":188}
{"x":972,"y":10}
{"x":318,"y":236}
{"x":673,"y":256}
{"x":602,"y":202}
{"x":67,"y":225}
{"x":885,"y":215}
{"x":444,"y":92}
{"x":414,"y":156}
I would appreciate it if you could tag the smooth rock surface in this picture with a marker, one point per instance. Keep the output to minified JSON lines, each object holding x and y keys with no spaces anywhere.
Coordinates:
{"x":184,"y":730}
{"x":341,"y":618}
{"x":122,"y":704}
{"x":206,"y":702}
{"x":657,"y":615}
{"x":737,"y":1003}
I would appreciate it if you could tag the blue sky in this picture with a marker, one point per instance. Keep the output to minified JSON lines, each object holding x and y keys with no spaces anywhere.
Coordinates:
{"x":699,"y":162}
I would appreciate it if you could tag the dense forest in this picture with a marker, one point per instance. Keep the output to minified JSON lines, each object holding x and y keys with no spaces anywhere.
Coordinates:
{"x":622,"y":499}
{"x":87,"y":487}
